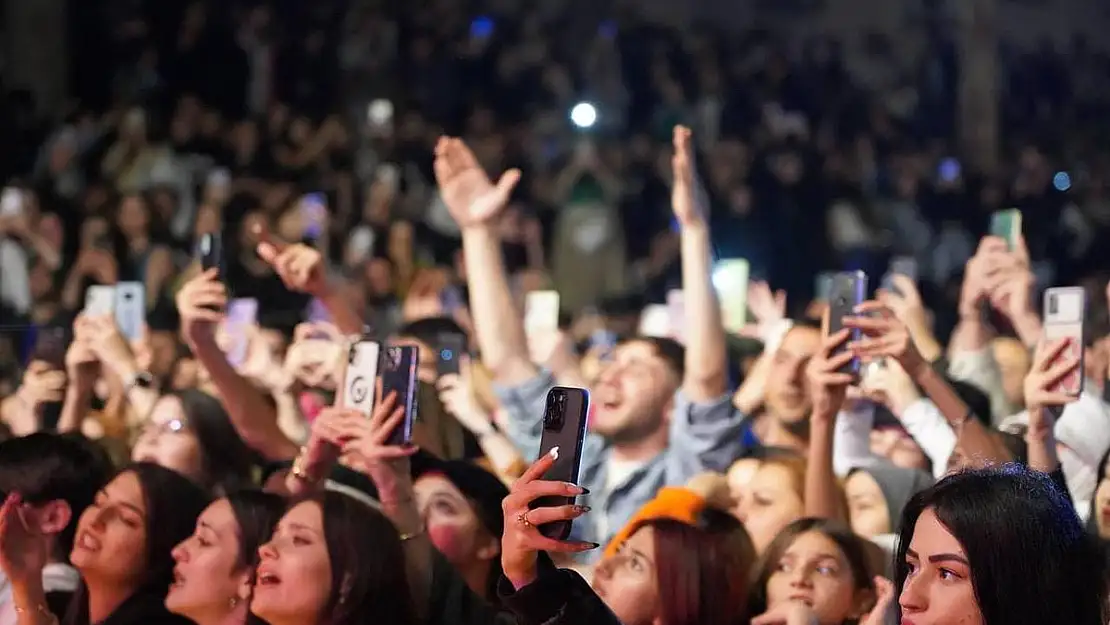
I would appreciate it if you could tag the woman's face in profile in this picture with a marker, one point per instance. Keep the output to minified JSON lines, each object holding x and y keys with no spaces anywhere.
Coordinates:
{"x":772,"y":505}
{"x":628,"y":582}
{"x":938,"y":589}
{"x":814,"y":571}
{"x":867,"y":509}
{"x":452,"y":525}
{"x":168,"y":441}
{"x":110,"y":544}
{"x":205,"y":576}
{"x":294,"y":581}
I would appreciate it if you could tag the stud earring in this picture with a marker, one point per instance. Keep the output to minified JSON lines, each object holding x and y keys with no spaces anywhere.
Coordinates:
{"x":234,"y":602}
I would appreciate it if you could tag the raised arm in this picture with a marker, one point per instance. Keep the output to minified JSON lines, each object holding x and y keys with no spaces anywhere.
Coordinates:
{"x":474,"y":201}
{"x":706,"y":376}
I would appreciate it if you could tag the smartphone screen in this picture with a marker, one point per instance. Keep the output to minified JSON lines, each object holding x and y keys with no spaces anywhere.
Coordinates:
{"x":210,"y":252}
{"x":899,"y":266}
{"x":655,"y":320}
{"x":51,"y":343}
{"x":360,"y":377}
{"x":242,"y":314}
{"x":100,"y":300}
{"x":314,"y":212}
{"x":398,"y":375}
{"x":541,"y":312}
{"x":849,"y":289}
{"x":1006,"y":225}
{"x":822,"y":286}
{"x":130,"y":309}
{"x":11,"y":202}
{"x":1064,"y":312}
{"x":564,"y":426}
{"x":730,"y":278}
{"x":451,"y":349}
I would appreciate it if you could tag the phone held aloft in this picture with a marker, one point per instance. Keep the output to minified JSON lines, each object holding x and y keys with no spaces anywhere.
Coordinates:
{"x":1064,"y":312}
{"x":564,"y":426}
{"x":847,"y":291}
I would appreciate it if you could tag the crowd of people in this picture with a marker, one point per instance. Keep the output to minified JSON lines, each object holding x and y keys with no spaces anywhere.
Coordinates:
{"x":412,"y":174}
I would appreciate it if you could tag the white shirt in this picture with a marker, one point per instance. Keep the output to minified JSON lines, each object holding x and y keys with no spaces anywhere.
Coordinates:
{"x":56,"y":577}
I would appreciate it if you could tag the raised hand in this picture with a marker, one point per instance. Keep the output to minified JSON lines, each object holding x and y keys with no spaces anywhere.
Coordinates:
{"x":767,"y":306}
{"x":458,"y":398}
{"x":1052,"y":365}
{"x":202,"y":303}
{"x":884,"y":336}
{"x":300,"y":267}
{"x":828,"y":385}
{"x":688,"y":198}
{"x":884,"y":597}
{"x":363,"y":441}
{"x":24,"y":549}
{"x":81,"y":361}
{"x":315,"y":356}
{"x":470,"y":196}
{"x":522,"y":541}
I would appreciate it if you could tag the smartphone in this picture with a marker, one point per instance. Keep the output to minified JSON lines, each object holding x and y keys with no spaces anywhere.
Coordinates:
{"x":100,"y":300}
{"x":676,"y":312}
{"x":541,"y":312}
{"x":655,"y":320}
{"x":398,"y":375}
{"x":51,"y":343}
{"x":899,"y":266}
{"x":242,"y":313}
{"x":451,"y":299}
{"x":822,"y":286}
{"x":730,"y":278}
{"x":564,"y":426}
{"x":1006,"y":224}
{"x":451,"y":349}
{"x":314,"y":212}
{"x":1064,"y":310}
{"x":848,"y":290}
{"x":317,"y":312}
{"x":210,"y":252}
{"x":361,"y":376}
{"x":130,"y":309}
{"x":11,"y":202}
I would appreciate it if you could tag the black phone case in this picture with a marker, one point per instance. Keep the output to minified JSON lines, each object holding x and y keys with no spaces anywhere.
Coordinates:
{"x":210,"y":251}
{"x":849,"y":289}
{"x":397,"y":371}
{"x":451,"y":348}
{"x":564,"y":426}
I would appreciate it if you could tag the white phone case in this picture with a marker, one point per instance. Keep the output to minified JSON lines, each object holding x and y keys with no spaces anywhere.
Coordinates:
{"x":541,"y":311}
{"x":130,"y":309}
{"x":241,"y":315}
{"x":361,"y":377}
{"x":100,"y":300}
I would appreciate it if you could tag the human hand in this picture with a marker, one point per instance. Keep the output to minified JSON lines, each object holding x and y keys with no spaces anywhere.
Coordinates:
{"x":466,"y":190}
{"x":828,"y":385}
{"x":884,"y":336}
{"x":300,"y":267}
{"x":457,"y":396}
{"x":24,"y":548}
{"x":201,"y":304}
{"x":688,"y":198}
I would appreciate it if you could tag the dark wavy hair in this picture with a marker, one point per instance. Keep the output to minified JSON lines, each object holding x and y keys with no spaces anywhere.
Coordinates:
{"x":365,"y":589}
{"x":257,"y":514}
{"x":1031,"y":561}
{"x":173,"y":503}
{"x":702,"y":570}
{"x":854,"y":548}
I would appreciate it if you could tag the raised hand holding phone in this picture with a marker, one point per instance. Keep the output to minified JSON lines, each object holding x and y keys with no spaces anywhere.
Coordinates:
{"x":522,"y":539}
{"x":300,"y":267}
{"x":201,"y":303}
{"x":564,"y":430}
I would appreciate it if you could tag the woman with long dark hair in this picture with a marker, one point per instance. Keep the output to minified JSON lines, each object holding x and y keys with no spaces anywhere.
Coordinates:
{"x":998,"y":546}
{"x":333,"y":560}
{"x":189,"y":431}
{"x":122,"y":550}
{"x":214,"y":573}
{"x":688,"y":568}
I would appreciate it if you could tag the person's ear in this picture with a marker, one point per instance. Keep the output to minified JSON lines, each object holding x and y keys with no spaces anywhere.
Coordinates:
{"x":54,"y":517}
{"x":490,"y":548}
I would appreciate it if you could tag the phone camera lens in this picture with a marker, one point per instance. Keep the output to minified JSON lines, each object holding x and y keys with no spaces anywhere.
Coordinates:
{"x":555,"y":415}
{"x":352,"y":356}
{"x":446,"y":354}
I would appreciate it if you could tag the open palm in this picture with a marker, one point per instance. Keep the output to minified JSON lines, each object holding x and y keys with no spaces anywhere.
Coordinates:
{"x":688,"y":196}
{"x":470,"y":196}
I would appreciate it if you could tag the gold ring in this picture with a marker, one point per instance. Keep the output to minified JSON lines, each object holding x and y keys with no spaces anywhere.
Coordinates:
{"x":522,"y":518}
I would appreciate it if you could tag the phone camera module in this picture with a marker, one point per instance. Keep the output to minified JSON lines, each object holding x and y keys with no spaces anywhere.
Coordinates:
{"x":352,"y":356}
{"x":446,"y":354}
{"x":555,"y":415}
{"x":1053,"y":304}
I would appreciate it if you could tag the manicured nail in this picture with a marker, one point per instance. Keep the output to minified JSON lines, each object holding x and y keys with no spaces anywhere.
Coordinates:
{"x":593,"y":545}
{"x":582,"y":509}
{"x":554,"y":453}
{"x":585,"y":491}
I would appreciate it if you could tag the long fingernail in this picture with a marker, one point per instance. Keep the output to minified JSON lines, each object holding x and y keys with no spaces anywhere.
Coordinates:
{"x":594,"y":545}
{"x":582,"y":509}
{"x":554,"y":453}
{"x":585,"y":491}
